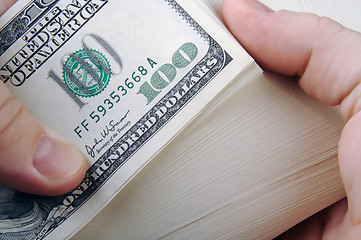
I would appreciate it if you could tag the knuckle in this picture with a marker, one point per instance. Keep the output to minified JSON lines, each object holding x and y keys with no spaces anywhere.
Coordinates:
{"x":333,"y":28}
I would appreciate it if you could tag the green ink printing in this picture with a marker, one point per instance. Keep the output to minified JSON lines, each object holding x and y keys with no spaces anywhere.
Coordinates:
{"x":86,"y":74}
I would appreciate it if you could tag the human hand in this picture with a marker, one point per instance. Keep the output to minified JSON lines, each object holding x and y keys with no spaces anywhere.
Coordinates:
{"x":5,"y":5}
{"x":33,"y":158}
{"x":327,"y":59}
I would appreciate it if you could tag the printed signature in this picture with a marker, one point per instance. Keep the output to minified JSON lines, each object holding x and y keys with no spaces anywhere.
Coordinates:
{"x":111,"y":128}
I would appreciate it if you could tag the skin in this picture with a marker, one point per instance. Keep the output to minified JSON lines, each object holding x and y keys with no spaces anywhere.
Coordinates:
{"x":325,"y":57}
{"x":33,"y":158}
{"x":4,"y":5}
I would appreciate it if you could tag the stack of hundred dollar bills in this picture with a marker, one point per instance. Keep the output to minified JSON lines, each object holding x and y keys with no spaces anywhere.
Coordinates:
{"x":120,"y":79}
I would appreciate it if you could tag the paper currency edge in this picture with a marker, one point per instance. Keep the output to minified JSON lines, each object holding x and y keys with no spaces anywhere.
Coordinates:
{"x":221,"y":63}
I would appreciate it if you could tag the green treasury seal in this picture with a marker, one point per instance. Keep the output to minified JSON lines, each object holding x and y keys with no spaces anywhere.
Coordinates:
{"x":86,"y":73}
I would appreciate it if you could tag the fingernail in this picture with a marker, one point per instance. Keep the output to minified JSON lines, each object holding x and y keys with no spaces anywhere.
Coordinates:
{"x":258,"y":6}
{"x":55,"y":159}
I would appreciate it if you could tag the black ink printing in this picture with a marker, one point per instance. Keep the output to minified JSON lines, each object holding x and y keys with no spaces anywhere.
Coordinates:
{"x":110,"y":131}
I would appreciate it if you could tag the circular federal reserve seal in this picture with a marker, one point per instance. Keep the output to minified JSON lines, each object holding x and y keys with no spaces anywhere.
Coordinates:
{"x":85,"y":75}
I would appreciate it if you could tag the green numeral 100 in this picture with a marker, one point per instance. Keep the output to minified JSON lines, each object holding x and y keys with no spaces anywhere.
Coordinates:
{"x":167,"y":72}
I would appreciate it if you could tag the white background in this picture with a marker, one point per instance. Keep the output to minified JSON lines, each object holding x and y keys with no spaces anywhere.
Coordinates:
{"x":347,"y":12}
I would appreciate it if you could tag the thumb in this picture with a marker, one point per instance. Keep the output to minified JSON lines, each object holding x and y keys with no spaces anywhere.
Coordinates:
{"x":5,"y":5}
{"x":327,"y":58}
{"x":33,"y":158}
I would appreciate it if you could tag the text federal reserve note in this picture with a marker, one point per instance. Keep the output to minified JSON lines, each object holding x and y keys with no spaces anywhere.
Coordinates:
{"x":119,"y":79}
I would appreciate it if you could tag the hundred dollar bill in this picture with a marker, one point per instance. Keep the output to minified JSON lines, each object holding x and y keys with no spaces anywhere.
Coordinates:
{"x":119,"y":79}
